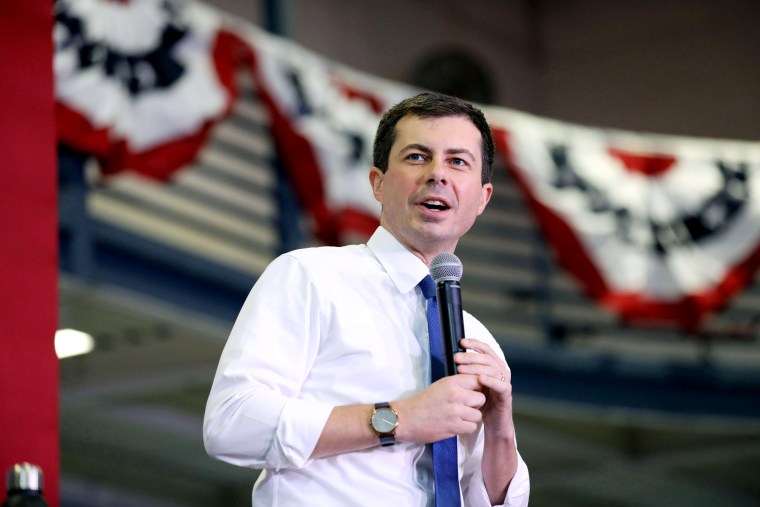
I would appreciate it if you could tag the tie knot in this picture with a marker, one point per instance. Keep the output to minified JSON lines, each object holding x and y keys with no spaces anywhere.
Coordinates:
{"x":428,"y":287}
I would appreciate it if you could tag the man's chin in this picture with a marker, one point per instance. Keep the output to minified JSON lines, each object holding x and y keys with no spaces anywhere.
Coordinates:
{"x":436,"y":237}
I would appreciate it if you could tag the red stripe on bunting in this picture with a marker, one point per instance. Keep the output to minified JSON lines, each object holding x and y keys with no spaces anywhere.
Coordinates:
{"x":650,"y":165}
{"x":114,"y":156}
{"x":377,"y":105}
{"x":74,"y":130}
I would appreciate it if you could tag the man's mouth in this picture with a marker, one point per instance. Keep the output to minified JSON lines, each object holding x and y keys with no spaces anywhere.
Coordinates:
{"x":435,"y":204}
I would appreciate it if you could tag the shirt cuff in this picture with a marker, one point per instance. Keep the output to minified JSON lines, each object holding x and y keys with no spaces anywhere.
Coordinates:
{"x":518,"y":492}
{"x":298,"y":430}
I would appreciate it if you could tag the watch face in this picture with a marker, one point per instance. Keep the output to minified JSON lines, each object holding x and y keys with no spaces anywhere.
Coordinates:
{"x":384,"y":420}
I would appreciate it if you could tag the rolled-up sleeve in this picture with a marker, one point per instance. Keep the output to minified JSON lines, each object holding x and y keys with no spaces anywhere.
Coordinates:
{"x":253,"y":416}
{"x":518,"y":492}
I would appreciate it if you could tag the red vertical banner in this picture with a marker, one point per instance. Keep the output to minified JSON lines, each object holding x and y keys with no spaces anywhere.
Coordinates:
{"x":28,"y":254}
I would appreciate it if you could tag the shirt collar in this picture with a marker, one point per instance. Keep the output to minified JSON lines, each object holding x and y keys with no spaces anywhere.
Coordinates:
{"x":405,"y":269}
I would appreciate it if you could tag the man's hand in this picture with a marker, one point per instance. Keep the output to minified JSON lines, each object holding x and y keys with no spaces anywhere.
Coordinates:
{"x":454,"y":405}
{"x":495,"y":379}
{"x":450,"y":406}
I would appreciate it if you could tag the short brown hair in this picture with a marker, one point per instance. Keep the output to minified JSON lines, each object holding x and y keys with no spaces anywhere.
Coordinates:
{"x":432,"y":105}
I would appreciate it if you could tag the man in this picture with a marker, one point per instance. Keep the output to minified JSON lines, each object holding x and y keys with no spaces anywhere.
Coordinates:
{"x":331,"y":336}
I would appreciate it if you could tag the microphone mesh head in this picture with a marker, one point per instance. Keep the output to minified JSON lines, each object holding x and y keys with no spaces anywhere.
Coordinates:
{"x":446,"y":266}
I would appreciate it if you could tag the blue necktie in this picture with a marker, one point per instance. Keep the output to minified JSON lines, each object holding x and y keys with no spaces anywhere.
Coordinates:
{"x":445,"y":466}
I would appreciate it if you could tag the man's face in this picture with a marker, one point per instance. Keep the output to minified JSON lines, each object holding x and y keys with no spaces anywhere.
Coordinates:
{"x":432,"y":191}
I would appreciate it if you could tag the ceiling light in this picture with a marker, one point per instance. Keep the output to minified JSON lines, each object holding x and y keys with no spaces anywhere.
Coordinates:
{"x":70,"y":342}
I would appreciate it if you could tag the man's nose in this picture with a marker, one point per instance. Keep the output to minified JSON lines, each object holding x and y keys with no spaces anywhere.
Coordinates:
{"x":436,"y":172}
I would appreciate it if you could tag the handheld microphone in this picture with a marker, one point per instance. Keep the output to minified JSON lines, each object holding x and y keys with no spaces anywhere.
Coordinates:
{"x":446,"y":269}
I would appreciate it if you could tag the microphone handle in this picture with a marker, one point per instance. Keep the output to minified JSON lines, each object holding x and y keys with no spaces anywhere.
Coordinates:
{"x":449,"y":298}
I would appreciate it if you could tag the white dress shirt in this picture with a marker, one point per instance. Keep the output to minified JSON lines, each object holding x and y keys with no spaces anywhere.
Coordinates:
{"x":326,"y":327}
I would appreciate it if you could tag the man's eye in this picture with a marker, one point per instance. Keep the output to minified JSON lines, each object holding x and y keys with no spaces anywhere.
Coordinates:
{"x":415,"y":156}
{"x":458,"y":161}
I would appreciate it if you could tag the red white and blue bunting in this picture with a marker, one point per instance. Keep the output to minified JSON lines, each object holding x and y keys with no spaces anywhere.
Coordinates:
{"x":140,"y":82}
{"x":654,"y":227}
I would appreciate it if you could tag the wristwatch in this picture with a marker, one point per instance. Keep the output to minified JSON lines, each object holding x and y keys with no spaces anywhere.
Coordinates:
{"x":384,"y":421}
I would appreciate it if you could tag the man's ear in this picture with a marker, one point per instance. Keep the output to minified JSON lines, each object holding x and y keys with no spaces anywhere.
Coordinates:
{"x":376,"y":177}
{"x":485,"y":195}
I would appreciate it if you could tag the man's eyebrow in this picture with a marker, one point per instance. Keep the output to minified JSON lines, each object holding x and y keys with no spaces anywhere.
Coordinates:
{"x":416,"y":146}
{"x":461,"y":151}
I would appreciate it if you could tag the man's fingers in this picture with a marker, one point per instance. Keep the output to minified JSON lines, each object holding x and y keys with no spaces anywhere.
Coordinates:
{"x":483,"y":362}
{"x":477,"y":346}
